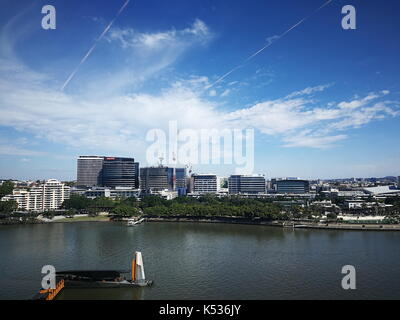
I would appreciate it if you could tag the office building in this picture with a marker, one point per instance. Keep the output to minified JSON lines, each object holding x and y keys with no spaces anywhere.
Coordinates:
{"x":89,"y":171}
{"x":43,"y":197}
{"x":162,"y":178}
{"x":206,"y":183}
{"x":120,"y":172}
{"x":292,"y":186}
{"x":246,"y":184}
{"x":181,"y":182}
{"x":155,"y":179}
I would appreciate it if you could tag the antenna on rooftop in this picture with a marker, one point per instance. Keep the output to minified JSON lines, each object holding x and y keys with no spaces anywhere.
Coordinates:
{"x":161,"y":159}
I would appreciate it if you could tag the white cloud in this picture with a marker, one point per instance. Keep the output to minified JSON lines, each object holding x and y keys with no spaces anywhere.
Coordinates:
{"x":312,"y":141}
{"x":308,"y":91}
{"x":10,"y":150}
{"x":299,"y":124}
{"x":118,"y":121}
{"x":226,"y":93}
{"x":198,"y":32}
{"x":361,"y":102}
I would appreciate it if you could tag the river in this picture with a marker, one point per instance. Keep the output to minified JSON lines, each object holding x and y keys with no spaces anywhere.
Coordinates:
{"x":204,"y":261}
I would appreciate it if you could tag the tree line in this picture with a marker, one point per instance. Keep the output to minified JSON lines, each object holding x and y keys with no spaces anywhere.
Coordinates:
{"x":207,"y":205}
{"x":7,"y":207}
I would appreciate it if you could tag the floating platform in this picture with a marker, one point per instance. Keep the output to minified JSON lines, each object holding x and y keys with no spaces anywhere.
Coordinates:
{"x":97,"y":279}
{"x":100,"y":279}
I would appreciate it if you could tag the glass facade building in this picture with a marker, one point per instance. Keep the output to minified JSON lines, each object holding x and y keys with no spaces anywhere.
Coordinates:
{"x":162,"y":178}
{"x":120,"y":172}
{"x":293,"y":186}
{"x":240,"y":184}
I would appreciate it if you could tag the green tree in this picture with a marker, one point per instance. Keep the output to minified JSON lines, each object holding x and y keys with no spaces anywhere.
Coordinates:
{"x":77,"y":202}
{"x":6,"y":188}
{"x":102,"y":203}
{"x":125,"y":210}
{"x":8,"y":207}
{"x":132,"y":201}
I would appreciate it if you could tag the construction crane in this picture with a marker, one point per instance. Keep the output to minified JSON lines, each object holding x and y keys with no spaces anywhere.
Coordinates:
{"x":174,"y":171}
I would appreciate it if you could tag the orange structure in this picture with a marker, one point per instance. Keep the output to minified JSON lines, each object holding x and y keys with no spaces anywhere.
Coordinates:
{"x":50,"y":294}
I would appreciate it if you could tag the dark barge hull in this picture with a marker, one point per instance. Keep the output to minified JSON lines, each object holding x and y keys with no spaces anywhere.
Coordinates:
{"x":98,"y":279}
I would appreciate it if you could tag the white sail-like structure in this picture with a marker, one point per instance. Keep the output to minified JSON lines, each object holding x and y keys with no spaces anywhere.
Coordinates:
{"x":138,"y":275}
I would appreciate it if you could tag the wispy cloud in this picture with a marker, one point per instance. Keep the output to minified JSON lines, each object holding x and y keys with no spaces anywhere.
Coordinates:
{"x":118,"y":122}
{"x":270,"y":40}
{"x":304,"y":139}
{"x":16,"y":148}
{"x":198,"y":32}
{"x":308,"y":91}
{"x":226,"y":93}
{"x":94,"y":45}
{"x":299,"y":123}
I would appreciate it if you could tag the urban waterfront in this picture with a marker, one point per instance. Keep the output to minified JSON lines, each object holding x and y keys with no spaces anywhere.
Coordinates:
{"x":204,"y":261}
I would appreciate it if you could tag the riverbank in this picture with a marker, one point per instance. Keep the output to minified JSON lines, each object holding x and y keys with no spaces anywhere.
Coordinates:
{"x":222,"y":219}
{"x":350,"y":226}
{"x":83,"y":219}
{"x":282,"y":224}
{"x":57,"y":219}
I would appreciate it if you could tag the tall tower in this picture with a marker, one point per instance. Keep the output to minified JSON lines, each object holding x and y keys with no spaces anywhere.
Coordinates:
{"x":89,"y":171}
{"x":120,"y":172}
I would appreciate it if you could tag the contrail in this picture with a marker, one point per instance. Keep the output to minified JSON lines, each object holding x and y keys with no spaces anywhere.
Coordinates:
{"x":94,"y":45}
{"x":268,"y":45}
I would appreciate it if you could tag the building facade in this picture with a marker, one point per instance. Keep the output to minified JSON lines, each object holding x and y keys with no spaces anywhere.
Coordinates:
{"x":163,"y":178}
{"x":113,"y":193}
{"x":120,"y":172}
{"x":89,"y":171}
{"x":44,"y":197}
{"x":205,"y":183}
{"x":250,"y":184}
{"x":292,"y":186}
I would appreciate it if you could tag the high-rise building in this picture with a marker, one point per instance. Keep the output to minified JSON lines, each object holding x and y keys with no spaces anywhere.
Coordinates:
{"x":46,"y":196}
{"x":162,"y":178}
{"x":181,"y":183}
{"x":89,"y":173}
{"x":293,"y":186}
{"x":246,"y":184}
{"x":155,"y":179}
{"x":120,"y":172}
{"x":206,"y":183}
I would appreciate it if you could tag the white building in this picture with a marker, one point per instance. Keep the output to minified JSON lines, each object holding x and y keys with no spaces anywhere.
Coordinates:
{"x":113,"y":193}
{"x":206,"y":183}
{"x":382,"y":190}
{"x":47,"y":196}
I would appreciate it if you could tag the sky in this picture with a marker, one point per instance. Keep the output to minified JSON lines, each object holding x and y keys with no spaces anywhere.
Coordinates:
{"x":323,"y":102}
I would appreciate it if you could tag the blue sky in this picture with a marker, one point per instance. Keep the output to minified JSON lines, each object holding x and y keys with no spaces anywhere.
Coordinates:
{"x":324,"y":102}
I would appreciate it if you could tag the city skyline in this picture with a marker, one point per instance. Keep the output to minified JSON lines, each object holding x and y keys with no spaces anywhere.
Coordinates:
{"x":324,"y":102}
{"x":93,"y":172}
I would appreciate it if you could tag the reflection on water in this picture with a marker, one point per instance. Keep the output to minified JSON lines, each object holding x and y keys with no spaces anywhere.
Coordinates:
{"x":204,"y":261}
